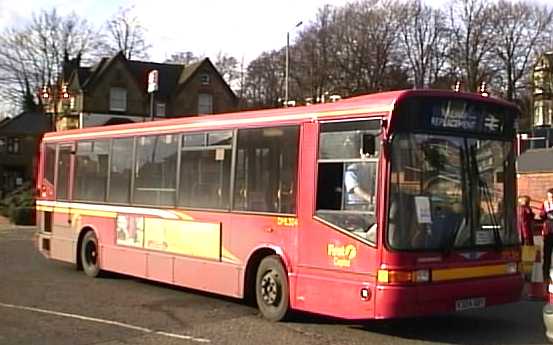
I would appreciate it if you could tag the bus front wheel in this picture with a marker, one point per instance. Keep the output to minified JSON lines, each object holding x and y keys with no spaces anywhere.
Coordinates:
{"x":271,"y":289}
{"x":89,"y":254}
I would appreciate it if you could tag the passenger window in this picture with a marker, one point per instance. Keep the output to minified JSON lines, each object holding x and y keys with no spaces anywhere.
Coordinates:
{"x":50,"y":162}
{"x":205,"y":170}
{"x":347,"y":175}
{"x":266,"y":170}
{"x":64,"y":165}
{"x":120,"y":170}
{"x":91,"y":170}
{"x":156,"y":170}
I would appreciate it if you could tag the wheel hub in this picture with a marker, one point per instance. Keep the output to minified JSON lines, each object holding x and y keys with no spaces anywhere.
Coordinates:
{"x":270,"y":288}
{"x":91,"y":253}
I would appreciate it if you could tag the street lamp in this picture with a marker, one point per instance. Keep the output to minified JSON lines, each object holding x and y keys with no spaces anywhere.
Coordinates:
{"x":287,"y":63}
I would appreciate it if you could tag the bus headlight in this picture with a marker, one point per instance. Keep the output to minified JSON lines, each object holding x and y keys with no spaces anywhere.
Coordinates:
{"x":402,"y":277}
{"x":421,"y":276}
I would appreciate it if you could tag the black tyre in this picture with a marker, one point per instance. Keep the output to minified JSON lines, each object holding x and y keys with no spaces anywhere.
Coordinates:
{"x":89,"y":254}
{"x":271,"y":289}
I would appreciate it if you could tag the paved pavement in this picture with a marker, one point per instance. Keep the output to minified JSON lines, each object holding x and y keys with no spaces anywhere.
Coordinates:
{"x":47,"y":302}
{"x":4,"y":221}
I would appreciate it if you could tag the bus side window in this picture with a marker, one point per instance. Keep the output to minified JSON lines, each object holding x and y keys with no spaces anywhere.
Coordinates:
{"x":205,"y":170}
{"x":266,"y":169}
{"x":347,"y":176}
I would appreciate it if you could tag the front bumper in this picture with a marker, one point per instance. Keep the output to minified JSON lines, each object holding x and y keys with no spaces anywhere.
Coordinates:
{"x":439,"y":298}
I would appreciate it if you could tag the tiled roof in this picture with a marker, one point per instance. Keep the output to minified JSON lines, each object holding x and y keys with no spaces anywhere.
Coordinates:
{"x":168,"y":75}
{"x":171,"y":76}
{"x":83,"y":73}
{"x":26,"y":123}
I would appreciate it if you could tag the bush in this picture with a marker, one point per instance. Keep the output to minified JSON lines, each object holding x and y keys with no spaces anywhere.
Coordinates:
{"x":23,"y":216}
{"x":19,"y":205}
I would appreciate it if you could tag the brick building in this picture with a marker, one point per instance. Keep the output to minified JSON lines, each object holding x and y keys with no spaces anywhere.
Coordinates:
{"x":542,"y":93}
{"x":19,"y":138}
{"x":115,"y":91}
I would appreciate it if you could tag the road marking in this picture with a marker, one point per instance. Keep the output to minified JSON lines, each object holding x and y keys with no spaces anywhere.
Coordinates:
{"x":107,"y":322}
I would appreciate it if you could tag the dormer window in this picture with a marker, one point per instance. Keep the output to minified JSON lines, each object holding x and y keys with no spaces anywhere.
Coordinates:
{"x":538,"y":82}
{"x":205,"y":79}
{"x":117,"y":99}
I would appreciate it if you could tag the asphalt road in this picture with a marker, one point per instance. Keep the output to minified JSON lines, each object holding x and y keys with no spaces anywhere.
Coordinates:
{"x":47,"y":302}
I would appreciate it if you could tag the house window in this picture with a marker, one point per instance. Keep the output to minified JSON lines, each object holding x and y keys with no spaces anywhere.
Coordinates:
{"x":205,"y":79}
{"x":543,"y":113}
{"x":117,"y":99}
{"x":2,"y":144}
{"x":13,"y":145}
{"x":160,"y":109}
{"x":538,"y":82}
{"x":205,"y":103}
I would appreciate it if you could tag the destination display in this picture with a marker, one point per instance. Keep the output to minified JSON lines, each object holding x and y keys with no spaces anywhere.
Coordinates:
{"x":454,"y":115}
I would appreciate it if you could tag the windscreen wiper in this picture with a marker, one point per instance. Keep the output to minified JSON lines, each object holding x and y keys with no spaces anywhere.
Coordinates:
{"x":484,"y":190}
{"x":453,"y":237}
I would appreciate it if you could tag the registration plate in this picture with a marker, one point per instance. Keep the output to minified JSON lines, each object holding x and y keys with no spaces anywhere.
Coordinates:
{"x":470,"y":303}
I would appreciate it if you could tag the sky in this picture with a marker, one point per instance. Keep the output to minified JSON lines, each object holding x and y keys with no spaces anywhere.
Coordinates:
{"x":241,"y":28}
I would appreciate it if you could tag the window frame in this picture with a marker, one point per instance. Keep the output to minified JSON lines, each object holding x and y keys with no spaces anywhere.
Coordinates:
{"x":234,"y":172}
{"x":377,"y":161}
{"x":70,"y":172}
{"x":206,"y":147}
{"x":210,"y":97}
{"x":205,"y":78}
{"x":131,"y":177}
{"x":93,"y":142}
{"x":177,"y":137}
{"x":114,"y":100}
{"x":13,"y":145}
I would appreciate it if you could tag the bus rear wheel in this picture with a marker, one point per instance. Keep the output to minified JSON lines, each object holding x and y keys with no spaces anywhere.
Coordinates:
{"x":271,"y":289}
{"x":89,"y":254}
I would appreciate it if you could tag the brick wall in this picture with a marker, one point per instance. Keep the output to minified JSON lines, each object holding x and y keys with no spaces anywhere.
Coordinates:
{"x":535,"y":186}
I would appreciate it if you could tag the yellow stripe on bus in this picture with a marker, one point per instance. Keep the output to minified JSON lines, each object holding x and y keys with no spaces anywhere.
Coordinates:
{"x":227,"y":256}
{"x":77,"y":211}
{"x":182,"y":215}
{"x":469,"y":272}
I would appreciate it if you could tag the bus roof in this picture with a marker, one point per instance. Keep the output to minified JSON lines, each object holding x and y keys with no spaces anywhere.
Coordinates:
{"x":372,"y":104}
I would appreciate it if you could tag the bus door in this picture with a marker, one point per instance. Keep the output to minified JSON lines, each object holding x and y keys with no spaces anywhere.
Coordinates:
{"x":62,"y":241}
{"x":338,"y":250}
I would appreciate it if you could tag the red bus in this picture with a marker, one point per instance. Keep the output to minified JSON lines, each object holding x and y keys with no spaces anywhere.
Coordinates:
{"x":380,"y":206}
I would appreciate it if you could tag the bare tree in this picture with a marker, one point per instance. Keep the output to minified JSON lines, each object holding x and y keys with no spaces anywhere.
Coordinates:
{"x":350,"y":50}
{"x":366,"y":43}
{"x":183,"y":58}
{"x":472,"y":41}
{"x":311,"y":59}
{"x":265,"y":81}
{"x":227,"y":66}
{"x":423,"y":41}
{"x":518,"y":29}
{"x":32,"y":56}
{"x":126,"y":34}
